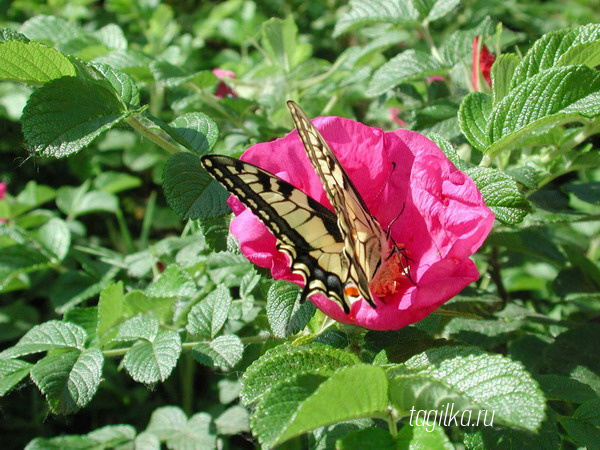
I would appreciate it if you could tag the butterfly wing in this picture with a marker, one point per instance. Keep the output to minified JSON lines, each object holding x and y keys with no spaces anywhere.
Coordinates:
{"x":365,"y":242}
{"x":305,"y":230}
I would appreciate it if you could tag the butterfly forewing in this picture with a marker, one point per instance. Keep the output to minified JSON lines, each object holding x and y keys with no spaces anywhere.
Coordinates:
{"x":365,"y":242}
{"x":305,"y":230}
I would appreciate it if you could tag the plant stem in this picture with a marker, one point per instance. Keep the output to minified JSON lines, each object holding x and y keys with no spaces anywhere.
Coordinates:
{"x":497,"y":276}
{"x":134,"y":122}
{"x":187,"y":383}
{"x":147,"y":223}
{"x":429,"y":40}
{"x":392,"y":423}
{"x":125,"y":234}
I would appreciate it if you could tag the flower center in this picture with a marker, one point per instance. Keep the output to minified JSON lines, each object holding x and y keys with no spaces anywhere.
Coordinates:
{"x":392,"y":276}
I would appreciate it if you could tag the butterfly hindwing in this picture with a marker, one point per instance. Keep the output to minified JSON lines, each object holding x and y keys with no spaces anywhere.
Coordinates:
{"x":305,"y":230}
{"x":364,"y":240}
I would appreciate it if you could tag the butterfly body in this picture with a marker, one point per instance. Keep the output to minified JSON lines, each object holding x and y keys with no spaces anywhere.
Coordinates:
{"x":338,"y":253}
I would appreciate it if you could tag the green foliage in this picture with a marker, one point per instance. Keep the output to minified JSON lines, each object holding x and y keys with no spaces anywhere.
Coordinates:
{"x":124,"y":292}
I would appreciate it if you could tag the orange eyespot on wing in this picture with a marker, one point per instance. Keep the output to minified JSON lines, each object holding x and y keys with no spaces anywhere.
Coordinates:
{"x":351,"y":291}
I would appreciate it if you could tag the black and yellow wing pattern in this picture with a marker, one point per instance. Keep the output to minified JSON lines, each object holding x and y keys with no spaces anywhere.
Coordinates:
{"x":337,"y":254}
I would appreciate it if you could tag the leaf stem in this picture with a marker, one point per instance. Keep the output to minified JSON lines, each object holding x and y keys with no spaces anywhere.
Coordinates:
{"x":134,"y":122}
{"x":429,"y":40}
{"x":187,"y":383}
{"x":392,"y":421}
{"x":497,"y":276}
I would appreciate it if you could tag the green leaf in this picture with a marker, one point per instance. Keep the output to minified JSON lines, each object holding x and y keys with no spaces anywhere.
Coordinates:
{"x":32,"y":196}
{"x":501,"y":194}
{"x":66,"y":114}
{"x":20,"y":259}
{"x":564,"y":47}
{"x":50,"y":29}
{"x":76,"y":201}
{"x":367,"y":439}
{"x":123,"y":84}
{"x":12,"y":371}
{"x":29,"y":62}
{"x":173,"y":282}
{"x":191,"y":191}
{"x":468,"y":379}
{"x":572,"y":348}
{"x":438,"y":9}
{"x":286,"y":315}
{"x":72,"y":441}
{"x":132,"y":62}
{"x":216,"y":231}
{"x":280,"y":42}
{"x":562,"y":388}
{"x":6,"y":34}
{"x":234,"y":420}
{"x":426,"y":436}
{"x":284,"y":362}
{"x":208,"y":316}
{"x":115,"y":182}
{"x":139,"y":327}
{"x":55,"y":237}
{"x":584,"y":425}
{"x":369,"y":12}
{"x":112,"y":36}
{"x":448,"y":150}
{"x":151,"y":361}
{"x":70,"y":379}
{"x":407,"y":66}
{"x":473,"y":118}
{"x":170,"y":424}
{"x":110,"y":310}
{"x":195,"y":131}
{"x":571,"y":93}
{"x":47,"y":336}
{"x":502,"y":74}
{"x":350,"y":393}
{"x":223,"y":351}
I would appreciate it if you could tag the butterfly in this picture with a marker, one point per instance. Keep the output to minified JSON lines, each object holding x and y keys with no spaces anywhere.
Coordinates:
{"x":338,"y":253}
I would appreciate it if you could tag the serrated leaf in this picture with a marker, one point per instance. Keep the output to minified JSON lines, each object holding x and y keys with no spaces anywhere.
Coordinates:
{"x":580,"y":45}
{"x":407,"y":66}
{"x":584,"y":425}
{"x":571,"y":93}
{"x":448,"y":150}
{"x":12,"y":371}
{"x":139,"y":327}
{"x":424,"y":436}
{"x":501,"y":194}
{"x":66,"y":114}
{"x":122,"y":83}
{"x":113,"y":436}
{"x":47,"y":336}
{"x":223,"y":351}
{"x":112,"y":36}
{"x":208,"y":316}
{"x":49,"y":28}
{"x":562,"y":388}
{"x":132,"y":62}
{"x":196,"y":131}
{"x":146,"y":441}
{"x":370,"y":12}
{"x":284,"y":362}
{"x":152,"y":361}
{"x":286,"y":315}
{"x":191,"y":191}
{"x":473,"y":118}
{"x":350,"y":393}
{"x":173,"y":282}
{"x":438,"y":9}
{"x":170,"y":424}
{"x":502,"y":73}
{"x":55,"y":237}
{"x":470,"y":380}
{"x":29,"y":62}
{"x":216,"y":231}
{"x":6,"y":34}
{"x":72,"y":441}
{"x":69,"y":380}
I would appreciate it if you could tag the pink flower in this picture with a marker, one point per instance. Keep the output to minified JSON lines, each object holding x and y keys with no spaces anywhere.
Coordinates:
{"x":481,"y":63}
{"x":2,"y":190}
{"x":223,"y":90}
{"x":394,"y":116}
{"x":441,"y":216}
{"x":433,"y":78}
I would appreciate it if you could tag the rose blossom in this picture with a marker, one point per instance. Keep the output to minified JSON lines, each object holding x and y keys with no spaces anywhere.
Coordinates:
{"x":441,"y":216}
{"x":482,"y":61}
{"x":223,"y":90}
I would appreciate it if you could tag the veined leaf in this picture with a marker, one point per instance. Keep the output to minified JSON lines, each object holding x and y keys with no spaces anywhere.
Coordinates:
{"x":501,"y":194}
{"x":29,"y":62}
{"x":369,"y":12}
{"x":153,"y":360}
{"x":139,"y":327}
{"x":171,"y":425}
{"x":502,"y":74}
{"x":284,"y":362}
{"x":368,"y":439}
{"x":407,"y":66}
{"x":190,"y":190}
{"x":223,"y":351}
{"x":295,"y":407}
{"x":286,"y":315}
{"x":55,"y":237}
{"x":46,"y":336}
{"x":195,"y":131}
{"x":66,"y":114}
{"x":122,"y":83}
{"x":69,"y":380}
{"x":469,"y":380}
{"x":12,"y":371}
{"x":173,"y":282}
{"x":208,"y":316}
{"x":570,"y":93}
{"x":564,"y":47}
{"x":473,"y":118}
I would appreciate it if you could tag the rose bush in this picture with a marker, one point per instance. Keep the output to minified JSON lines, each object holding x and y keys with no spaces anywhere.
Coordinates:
{"x":441,"y":216}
